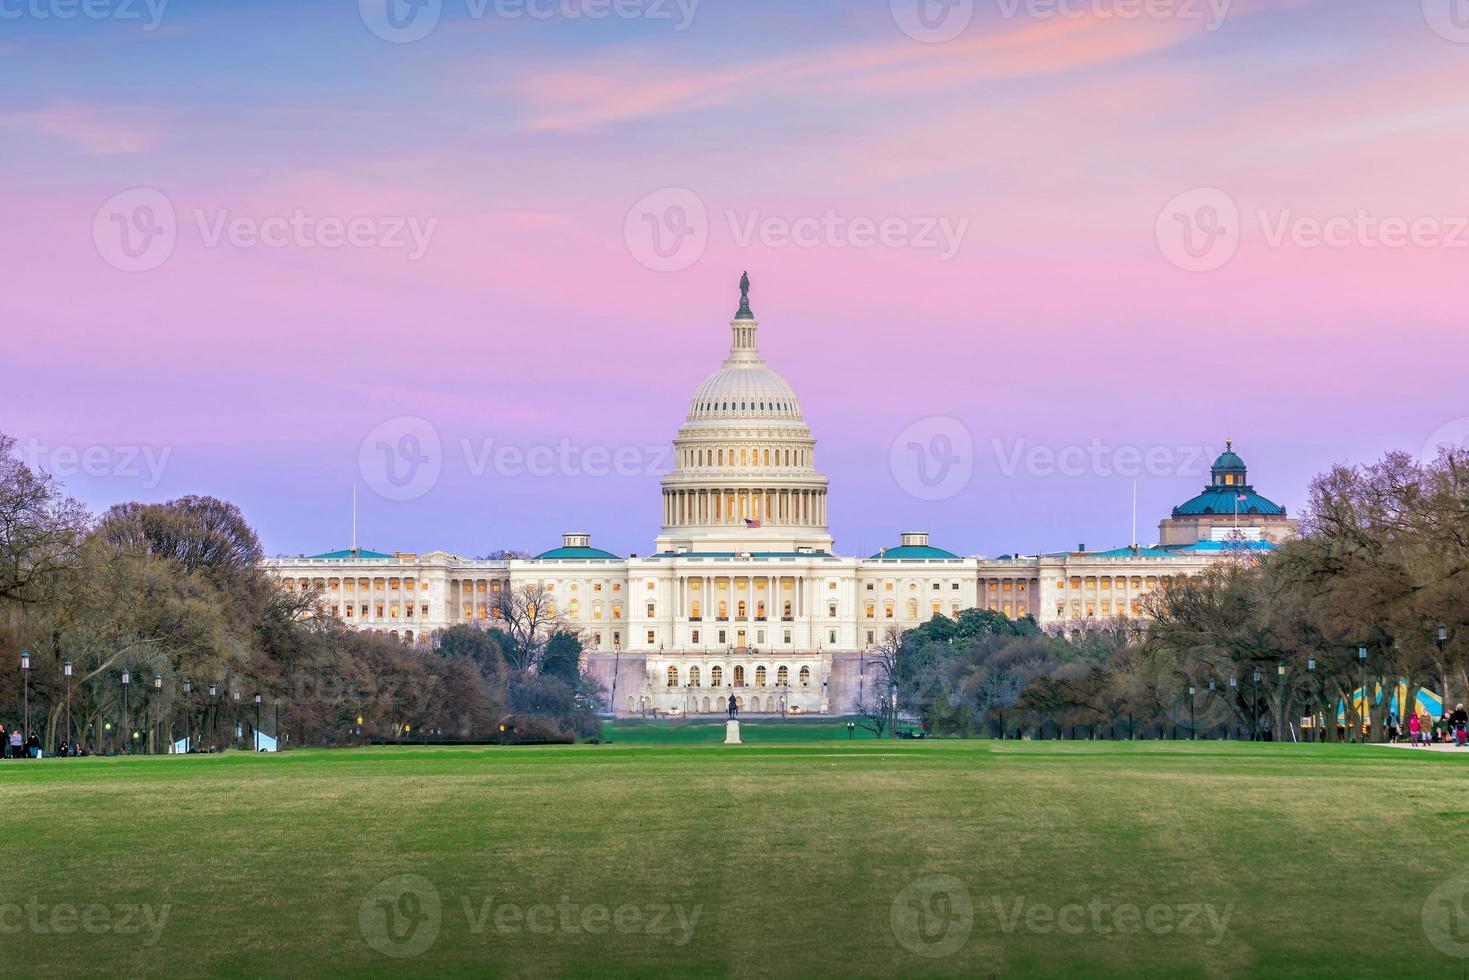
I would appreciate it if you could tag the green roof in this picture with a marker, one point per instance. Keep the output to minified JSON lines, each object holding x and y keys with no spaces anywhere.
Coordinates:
{"x":1228,"y":461}
{"x":1129,"y":553}
{"x":733,"y":554}
{"x":349,"y":553}
{"x":574,"y":554}
{"x":914,"y":552}
{"x":1222,"y":500}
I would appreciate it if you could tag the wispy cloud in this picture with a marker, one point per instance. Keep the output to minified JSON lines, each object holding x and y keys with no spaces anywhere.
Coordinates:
{"x":93,"y":131}
{"x":635,"y":86}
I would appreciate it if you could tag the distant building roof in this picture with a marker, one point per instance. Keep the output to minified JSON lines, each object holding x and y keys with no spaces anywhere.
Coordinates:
{"x":1222,"y":500}
{"x":359,"y":554}
{"x":1129,"y":553}
{"x":914,"y":552}
{"x":573,"y":553}
{"x":1206,"y":545}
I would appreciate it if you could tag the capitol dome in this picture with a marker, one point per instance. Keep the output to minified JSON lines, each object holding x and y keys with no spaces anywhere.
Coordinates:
{"x":745,"y":476}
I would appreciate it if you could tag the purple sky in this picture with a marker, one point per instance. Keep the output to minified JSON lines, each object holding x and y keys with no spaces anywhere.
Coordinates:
{"x":242,"y":241}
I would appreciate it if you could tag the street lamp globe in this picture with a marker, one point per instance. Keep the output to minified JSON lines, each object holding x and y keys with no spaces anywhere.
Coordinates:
{"x":1280,"y":669}
{"x":1362,"y":652}
{"x":1443,"y":633}
{"x":1311,"y":664}
{"x":66,"y":668}
{"x":157,"y":682}
{"x":126,"y":678}
{"x":25,"y":660}
{"x":213,"y":690}
{"x":1256,"y":677}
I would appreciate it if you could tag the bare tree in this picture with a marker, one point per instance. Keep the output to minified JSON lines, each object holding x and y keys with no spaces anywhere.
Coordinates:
{"x":528,"y":617}
{"x":41,"y":530}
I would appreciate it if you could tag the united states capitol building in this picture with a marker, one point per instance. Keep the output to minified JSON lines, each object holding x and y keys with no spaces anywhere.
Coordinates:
{"x":743,"y":594}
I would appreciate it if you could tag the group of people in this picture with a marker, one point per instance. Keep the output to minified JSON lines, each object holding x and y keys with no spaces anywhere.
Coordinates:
{"x":1452,"y":727}
{"x":16,"y":744}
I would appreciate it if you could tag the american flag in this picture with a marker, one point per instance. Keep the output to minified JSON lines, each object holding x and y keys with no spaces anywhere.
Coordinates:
{"x":1242,"y":497}
{"x":751,"y":523}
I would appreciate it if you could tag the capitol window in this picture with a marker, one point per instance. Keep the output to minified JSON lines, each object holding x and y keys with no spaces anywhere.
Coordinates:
{"x":716,"y":676}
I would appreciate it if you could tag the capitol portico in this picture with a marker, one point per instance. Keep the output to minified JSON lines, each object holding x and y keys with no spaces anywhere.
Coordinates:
{"x":742,"y":594}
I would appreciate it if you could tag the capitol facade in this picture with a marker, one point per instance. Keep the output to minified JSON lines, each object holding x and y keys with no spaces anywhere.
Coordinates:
{"x":743,"y":595}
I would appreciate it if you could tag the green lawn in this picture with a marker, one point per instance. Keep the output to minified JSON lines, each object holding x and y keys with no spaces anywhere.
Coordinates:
{"x":659,"y":856}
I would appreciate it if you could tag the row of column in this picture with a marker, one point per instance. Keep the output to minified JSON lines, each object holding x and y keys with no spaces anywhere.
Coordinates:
{"x":800,"y":508}
{"x":709,"y":600}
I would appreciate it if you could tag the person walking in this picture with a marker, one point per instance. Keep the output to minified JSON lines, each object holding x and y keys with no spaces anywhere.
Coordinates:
{"x":33,"y":746}
{"x":1459,"y":724}
{"x":1415,"y":729}
{"x":17,"y":743}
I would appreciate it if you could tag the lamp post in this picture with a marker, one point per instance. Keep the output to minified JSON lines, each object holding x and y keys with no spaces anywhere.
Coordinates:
{"x":277,"y":724}
{"x":1284,"y":721}
{"x":213,"y":711}
{"x":188,"y":716}
{"x":1311,"y":669}
{"x":1255,"y":707}
{"x":239,"y":732}
{"x":66,"y":670}
{"x":1233,"y":691}
{"x":256,"y":736}
{"x":127,"y":726}
{"x":1366,"y":708}
{"x":1192,"y":731}
{"x":1443,"y":638}
{"x":851,"y":730}
{"x":25,"y":683}
{"x":157,"y":711}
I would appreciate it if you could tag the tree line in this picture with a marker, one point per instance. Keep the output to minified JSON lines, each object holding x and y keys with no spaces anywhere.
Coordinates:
{"x":173,"y":595}
{"x":1372,"y":596}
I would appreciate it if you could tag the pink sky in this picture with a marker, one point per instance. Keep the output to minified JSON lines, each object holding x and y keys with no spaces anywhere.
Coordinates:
{"x":533,"y":318}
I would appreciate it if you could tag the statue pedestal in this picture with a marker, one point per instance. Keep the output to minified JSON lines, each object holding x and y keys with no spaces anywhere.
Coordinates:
{"x":732,"y":732}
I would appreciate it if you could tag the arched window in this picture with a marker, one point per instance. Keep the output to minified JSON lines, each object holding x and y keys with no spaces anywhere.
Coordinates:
{"x":721,"y":457}
{"x":782,"y":675}
{"x":573,"y":608}
{"x":673,"y":677}
{"x":767,"y":457}
{"x":693,"y":677}
{"x":785,"y":610}
{"x":723,"y":609}
{"x":739,"y":675}
{"x":912,"y":608}
{"x":716,"y":676}
{"x":760,"y":676}
{"x":744,"y":457}
{"x":760,"y":610}
{"x":805,"y":676}
{"x":741,"y":609}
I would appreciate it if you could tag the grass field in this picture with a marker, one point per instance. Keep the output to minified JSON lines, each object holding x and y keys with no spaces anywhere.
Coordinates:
{"x":659,"y":854}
